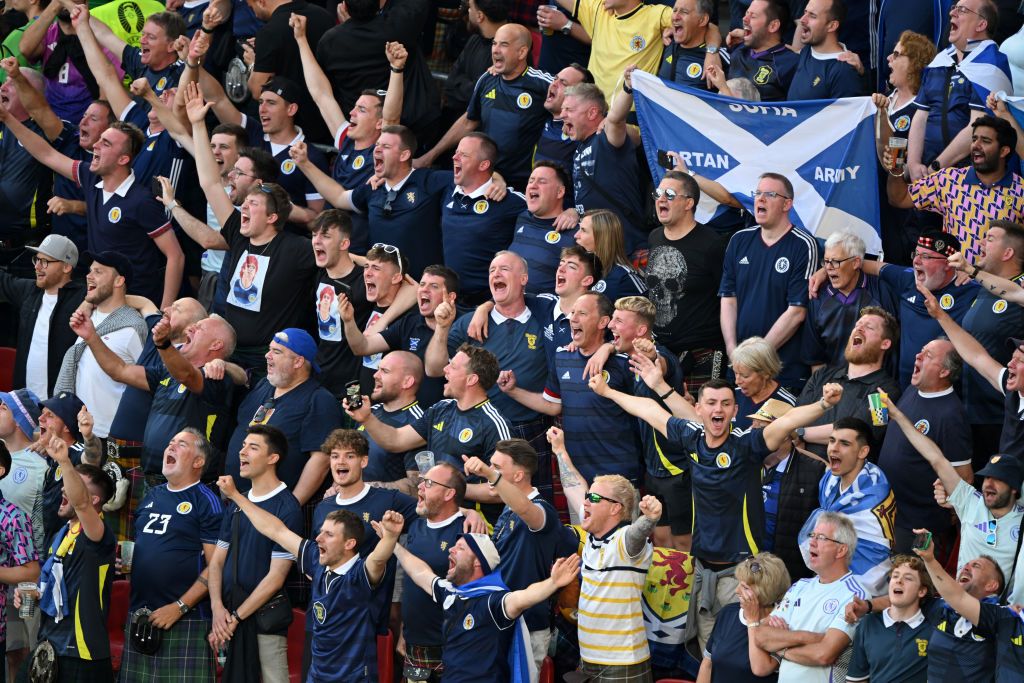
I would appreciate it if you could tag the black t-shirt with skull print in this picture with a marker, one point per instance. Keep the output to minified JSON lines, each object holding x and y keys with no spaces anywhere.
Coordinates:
{"x":682,"y":279}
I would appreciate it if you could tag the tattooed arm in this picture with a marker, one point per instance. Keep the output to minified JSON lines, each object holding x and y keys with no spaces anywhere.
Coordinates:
{"x":574,"y":486}
{"x":640,"y":530}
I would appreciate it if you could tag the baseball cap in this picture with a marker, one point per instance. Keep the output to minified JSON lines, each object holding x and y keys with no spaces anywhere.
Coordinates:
{"x":24,"y":405}
{"x":1014,"y":343}
{"x":58,"y":247}
{"x":299,"y":341}
{"x":483,"y":547}
{"x":1005,"y":468}
{"x":284,"y":87}
{"x":114,"y":260}
{"x":938,"y":241}
{"x":771,"y":410}
{"x":66,"y":406}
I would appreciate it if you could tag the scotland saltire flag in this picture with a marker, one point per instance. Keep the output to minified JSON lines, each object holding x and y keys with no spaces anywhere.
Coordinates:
{"x":871,"y":506}
{"x":825,"y":147}
{"x":985,"y":67}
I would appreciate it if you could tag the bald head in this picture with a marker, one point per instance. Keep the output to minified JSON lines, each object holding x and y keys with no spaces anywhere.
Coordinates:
{"x":510,"y":49}
{"x":184,"y":313}
{"x":408,"y":364}
{"x":397,"y":380}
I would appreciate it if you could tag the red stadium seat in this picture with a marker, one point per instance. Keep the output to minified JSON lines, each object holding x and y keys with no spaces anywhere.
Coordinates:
{"x":116,"y":618}
{"x":296,"y":644}
{"x":7,"y":368}
{"x":547,"y":671}
{"x":386,"y":657}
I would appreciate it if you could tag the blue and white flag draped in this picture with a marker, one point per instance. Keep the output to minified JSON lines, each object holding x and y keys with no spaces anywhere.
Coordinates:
{"x":871,"y":506}
{"x":985,"y":67}
{"x":825,"y":147}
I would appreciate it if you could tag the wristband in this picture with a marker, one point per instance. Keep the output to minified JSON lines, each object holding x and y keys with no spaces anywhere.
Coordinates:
{"x":976,"y":271}
{"x":173,"y":205}
{"x":667,"y":393}
{"x":206,"y":30}
{"x":193,"y":66}
{"x":495,"y":482}
{"x":824,"y":405}
{"x":871,"y":607}
{"x":234,"y":615}
{"x":163,"y":347}
{"x":626,"y":89}
{"x":397,"y":71}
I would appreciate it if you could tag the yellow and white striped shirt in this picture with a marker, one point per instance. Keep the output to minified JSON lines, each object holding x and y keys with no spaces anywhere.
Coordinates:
{"x":611,"y":622}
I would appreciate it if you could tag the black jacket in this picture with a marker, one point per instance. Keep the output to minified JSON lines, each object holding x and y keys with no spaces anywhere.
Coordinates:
{"x":798,"y":498}
{"x":23,"y":294}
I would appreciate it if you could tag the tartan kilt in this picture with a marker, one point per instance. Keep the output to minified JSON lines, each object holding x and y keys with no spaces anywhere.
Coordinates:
{"x":184,"y":656}
{"x":624,"y":673}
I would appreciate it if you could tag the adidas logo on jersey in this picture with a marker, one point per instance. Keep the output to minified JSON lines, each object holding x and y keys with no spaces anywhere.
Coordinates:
{"x":490,"y":96}
{"x":439,"y":426}
{"x":566,"y":375}
{"x":148,"y":505}
{"x":744,"y":261}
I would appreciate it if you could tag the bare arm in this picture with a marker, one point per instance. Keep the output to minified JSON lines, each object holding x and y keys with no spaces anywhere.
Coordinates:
{"x":102,"y":69}
{"x":113,"y":365}
{"x":312,"y":477}
{"x":389,"y":528}
{"x":915,"y":143}
{"x":267,"y":587}
{"x":622,"y":103}
{"x":776,"y":432}
{"x":534,"y":401}
{"x":509,"y":493}
{"x":33,"y":100}
{"x":960,"y":145}
{"x":329,"y":188}
{"x":392,"y":439}
{"x":646,"y":409}
{"x":727,"y":317}
{"x":31,"y":43}
{"x":18,"y":573}
{"x":459,"y":129}
{"x":639,"y":531}
{"x":391,"y":112}
{"x":823,"y":653}
{"x":574,"y":486}
{"x":39,"y":148}
{"x":435,"y":358}
{"x":264,"y":522}
{"x":969,"y":348}
{"x":206,"y":165}
{"x":563,"y":573}
{"x":76,"y":491}
{"x":786,"y":326}
{"x":317,"y":83}
{"x":416,"y":569}
{"x":169,"y":246}
{"x":965,"y":604}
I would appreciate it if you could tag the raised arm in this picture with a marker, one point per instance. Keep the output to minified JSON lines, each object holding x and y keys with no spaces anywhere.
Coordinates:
{"x":198,"y":230}
{"x":33,"y":100}
{"x":361,"y":344}
{"x":574,"y":484}
{"x":112,"y":364}
{"x":181,"y":133}
{"x":177,"y":365}
{"x":563,"y":572}
{"x":622,"y":103}
{"x":105,"y":37}
{"x":928,"y":449}
{"x":999,"y":286}
{"x":509,"y":493}
{"x":776,"y":432}
{"x":329,"y":188}
{"x":965,"y":604}
{"x":317,"y":83}
{"x":436,"y":356}
{"x":102,"y":69}
{"x":206,"y":165}
{"x":640,"y":530}
{"x":76,"y":490}
{"x":969,"y":348}
{"x":646,"y":409}
{"x":264,"y":522}
{"x":389,"y":528}
{"x":391,"y":113}
{"x":416,"y":569}
{"x":38,"y":147}
{"x":31,"y":43}
{"x":653,"y":375}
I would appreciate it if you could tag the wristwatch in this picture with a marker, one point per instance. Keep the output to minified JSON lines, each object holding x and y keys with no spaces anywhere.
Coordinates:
{"x":935,"y":165}
{"x":567,"y":29}
{"x":711,"y":50}
{"x":182,"y":607}
{"x":800,"y":431}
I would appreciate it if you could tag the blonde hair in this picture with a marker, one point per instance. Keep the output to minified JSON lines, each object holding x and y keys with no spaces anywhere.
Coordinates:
{"x":767,"y":575}
{"x":609,"y":241}
{"x":640,"y":306}
{"x":757,"y":355}
{"x":622,"y":491}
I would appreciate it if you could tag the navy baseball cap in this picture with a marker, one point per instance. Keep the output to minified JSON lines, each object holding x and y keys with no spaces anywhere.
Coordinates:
{"x":66,"y":406}
{"x":1005,"y":468}
{"x":300,"y":342}
{"x":284,"y":88}
{"x":114,"y":260}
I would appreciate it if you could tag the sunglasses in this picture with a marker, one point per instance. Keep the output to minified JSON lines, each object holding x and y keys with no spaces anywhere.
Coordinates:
{"x":990,"y":537}
{"x":388,"y":200}
{"x":597,"y":498}
{"x":668,"y":194}
{"x":263,"y":413}
{"x":391,"y":249}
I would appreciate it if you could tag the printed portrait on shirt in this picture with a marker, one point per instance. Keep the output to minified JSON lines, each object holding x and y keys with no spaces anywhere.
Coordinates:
{"x":247,"y":287}
{"x":328,"y":321}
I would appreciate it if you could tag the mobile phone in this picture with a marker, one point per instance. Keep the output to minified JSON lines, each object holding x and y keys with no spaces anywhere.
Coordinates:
{"x":345,"y":289}
{"x":922,"y":540}
{"x":664,"y":160}
{"x":355,"y":400}
{"x":158,"y":189}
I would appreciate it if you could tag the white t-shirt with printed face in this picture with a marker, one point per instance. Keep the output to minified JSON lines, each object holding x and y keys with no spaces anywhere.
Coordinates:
{"x":810,"y":605}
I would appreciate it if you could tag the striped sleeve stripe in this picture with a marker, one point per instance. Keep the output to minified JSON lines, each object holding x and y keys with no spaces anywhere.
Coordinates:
{"x":499,"y":421}
{"x":416,"y":411}
{"x":543,"y":75}
{"x":786,"y":395}
{"x":812,"y":251}
{"x":637,"y":280}
{"x":213,"y":498}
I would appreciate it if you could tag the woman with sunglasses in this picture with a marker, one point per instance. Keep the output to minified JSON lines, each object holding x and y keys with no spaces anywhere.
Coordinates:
{"x":601,"y":233}
{"x":763,"y":581}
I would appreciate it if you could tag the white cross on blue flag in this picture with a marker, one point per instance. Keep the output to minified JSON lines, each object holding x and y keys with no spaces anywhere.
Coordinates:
{"x":825,"y":147}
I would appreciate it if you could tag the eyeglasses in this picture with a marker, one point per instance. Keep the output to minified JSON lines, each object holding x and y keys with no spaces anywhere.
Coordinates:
{"x":962,"y":10}
{"x":388,"y":200}
{"x":769,"y":194}
{"x":235,"y":171}
{"x":668,"y":194}
{"x":836,"y":262}
{"x":990,"y":538}
{"x":391,"y":249}
{"x":597,"y":498}
{"x":40,"y":261}
{"x":822,"y":537}
{"x":925,"y":256}
{"x":428,"y":483}
{"x":754,"y":566}
{"x":263,"y":413}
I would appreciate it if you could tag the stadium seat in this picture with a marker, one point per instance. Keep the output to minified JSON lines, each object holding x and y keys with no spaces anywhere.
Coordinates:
{"x":296,"y":644}
{"x":547,"y":671}
{"x":386,"y":657}
{"x":116,"y":618}
{"x":673,"y":680}
{"x":6,"y":368}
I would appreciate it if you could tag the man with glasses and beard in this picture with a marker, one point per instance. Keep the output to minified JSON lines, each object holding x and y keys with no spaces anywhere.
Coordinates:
{"x":968,"y":197}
